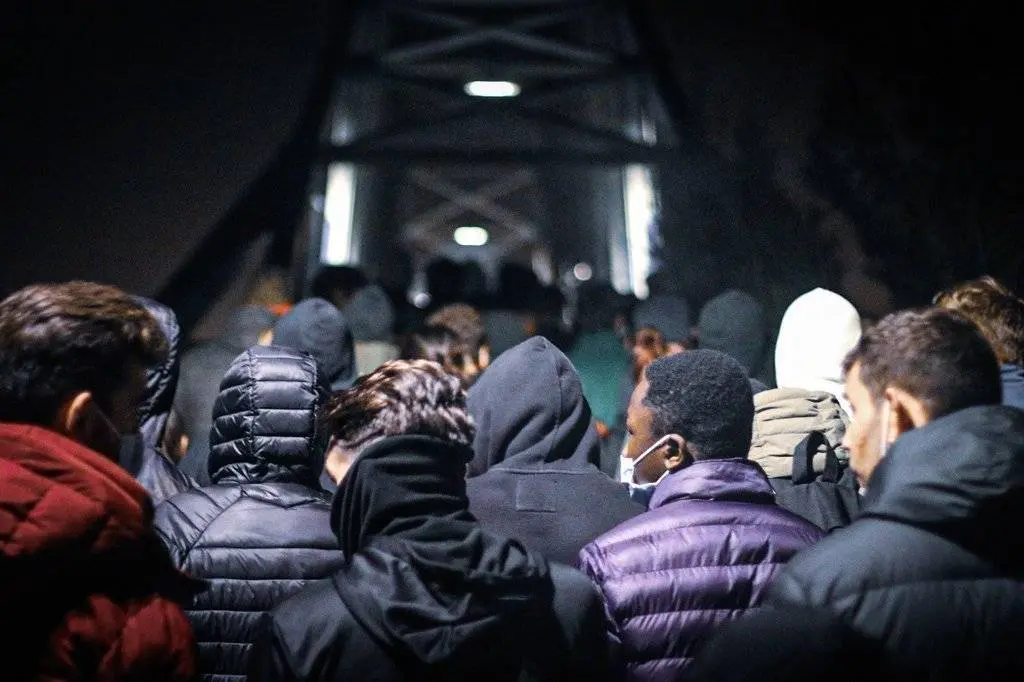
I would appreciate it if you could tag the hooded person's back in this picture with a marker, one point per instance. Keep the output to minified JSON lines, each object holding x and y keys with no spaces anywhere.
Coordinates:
{"x":533,"y":475}
{"x":817,"y":331}
{"x":733,"y":323}
{"x":262,"y":530}
{"x":426,"y":593}
{"x":317,"y":327}
{"x":371,"y":317}
{"x":202,"y":368}
{"x":142,"y":455}
{"x":669,"y":314}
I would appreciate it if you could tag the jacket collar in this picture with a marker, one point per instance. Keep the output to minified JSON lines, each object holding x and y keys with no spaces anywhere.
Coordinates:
{"x":725,"y":480}
{"x":960,"y":475}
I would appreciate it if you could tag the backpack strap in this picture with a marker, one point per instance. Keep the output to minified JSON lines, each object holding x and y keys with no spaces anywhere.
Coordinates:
{"x":833,"y":467}
{"x":803,"y":459}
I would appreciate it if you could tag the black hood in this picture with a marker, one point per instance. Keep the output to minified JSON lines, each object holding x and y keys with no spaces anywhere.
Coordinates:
{"x":961,"y":477}
{"x":317,"y":327}
{"x":530,"y":412}
{"x":422,"y":577}
{"x":162,"y":378}
{"x":265,"y":419}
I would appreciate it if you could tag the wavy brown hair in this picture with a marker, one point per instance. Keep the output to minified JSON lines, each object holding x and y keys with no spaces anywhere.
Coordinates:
{"x":401,"y":397}
{"x":997,"y":311}
{"x":57,"y":340}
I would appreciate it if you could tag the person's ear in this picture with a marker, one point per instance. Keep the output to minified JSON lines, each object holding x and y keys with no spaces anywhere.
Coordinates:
{"x":74,"y":416}
{"x":483,"y":357}
{"x":338,"y":461}
{"x":676,"y":455}
{"x":907,"y":412}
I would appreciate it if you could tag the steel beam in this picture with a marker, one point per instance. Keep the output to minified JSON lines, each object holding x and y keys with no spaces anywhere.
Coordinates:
{"x":519,"y":157}
{"x":475,"y":200}
{"x":518,"y":33}
{"x":456,"y":205}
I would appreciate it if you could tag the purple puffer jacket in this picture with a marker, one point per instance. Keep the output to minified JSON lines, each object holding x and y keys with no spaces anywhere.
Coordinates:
{"x":706,"y":551}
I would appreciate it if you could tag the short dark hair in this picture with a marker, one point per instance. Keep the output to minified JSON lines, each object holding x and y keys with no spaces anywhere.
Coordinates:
{"x":997,"y":311}
{"x":465,"y":322}
{"x":438,"y":344}
{"x":936,"y":355}
{"x":60,"y":339}
{"x":342,"y":278}
{"x":401,"y":397}
{"x":705,"y":397}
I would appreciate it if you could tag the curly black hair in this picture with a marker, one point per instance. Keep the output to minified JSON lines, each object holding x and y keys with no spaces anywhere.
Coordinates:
{"x":705,"y":397}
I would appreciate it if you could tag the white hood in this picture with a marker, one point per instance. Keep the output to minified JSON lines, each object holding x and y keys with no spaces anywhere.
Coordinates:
{"x":817,"y":331}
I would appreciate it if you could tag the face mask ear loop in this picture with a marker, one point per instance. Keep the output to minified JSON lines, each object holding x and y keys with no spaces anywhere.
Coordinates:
{"x":883,"y":444}
{"x":657,"y":444}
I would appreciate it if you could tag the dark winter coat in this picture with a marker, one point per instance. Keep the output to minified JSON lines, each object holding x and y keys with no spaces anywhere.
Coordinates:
{"x":533,"y":475}
{"x":933,"y":566}
{"x":1013,"y":385}
{"x":705,"y":552}
{"x":202,"y":369}
{"x":427,"y":594}
{"x":262,"y":531}
{"x":142,"y":455}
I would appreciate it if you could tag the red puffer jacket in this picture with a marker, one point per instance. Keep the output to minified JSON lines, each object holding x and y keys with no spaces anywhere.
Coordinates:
{"x":87,"y":591}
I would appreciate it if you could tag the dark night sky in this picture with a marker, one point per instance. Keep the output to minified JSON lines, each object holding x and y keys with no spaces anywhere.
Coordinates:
{"x":130,"y":130}
{"x":135,"y":128}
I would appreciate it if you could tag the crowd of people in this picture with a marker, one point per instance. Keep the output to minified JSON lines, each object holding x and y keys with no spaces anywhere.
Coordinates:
{"x":316,"y":495}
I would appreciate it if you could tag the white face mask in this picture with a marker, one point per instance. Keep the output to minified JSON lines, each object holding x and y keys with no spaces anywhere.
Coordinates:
{"x":625,"y":469}
{"x":883,"y":443}
{"x":642,"y":492}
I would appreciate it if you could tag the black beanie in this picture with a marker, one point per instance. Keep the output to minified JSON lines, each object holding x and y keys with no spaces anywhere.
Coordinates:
{"x":317,"y":327}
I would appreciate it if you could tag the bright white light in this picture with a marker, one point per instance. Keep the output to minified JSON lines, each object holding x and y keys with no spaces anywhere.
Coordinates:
{"x":582,"y":271}
{"x":491,"y":88}
{"x":639,"y":192}
{"x":421,"y":300}
{"x":470,"y":236}
{"x":336,"y":244}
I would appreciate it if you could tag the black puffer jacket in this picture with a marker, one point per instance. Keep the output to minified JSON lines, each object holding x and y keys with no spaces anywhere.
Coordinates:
{"x":933,"y":568}
{"x":262,"y":531}
{"x":143,"y":456}
{"x":427,"y":594}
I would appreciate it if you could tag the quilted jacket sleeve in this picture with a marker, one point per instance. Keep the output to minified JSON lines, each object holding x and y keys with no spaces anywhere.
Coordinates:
{"x":143,"y":639}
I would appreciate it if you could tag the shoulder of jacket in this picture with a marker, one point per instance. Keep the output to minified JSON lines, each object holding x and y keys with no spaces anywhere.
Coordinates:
{"x":834,"y":568}
{"x":182,"y":519}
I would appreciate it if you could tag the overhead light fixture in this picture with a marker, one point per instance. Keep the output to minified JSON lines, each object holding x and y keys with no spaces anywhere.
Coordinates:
{"x":491,"y":89}
{"x":421,"y":300}
{"x":469,"y":235}
{"x":582,"y":272}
